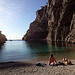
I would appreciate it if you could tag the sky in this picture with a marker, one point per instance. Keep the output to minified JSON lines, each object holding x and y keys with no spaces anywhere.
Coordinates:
{"x":16,"y":16}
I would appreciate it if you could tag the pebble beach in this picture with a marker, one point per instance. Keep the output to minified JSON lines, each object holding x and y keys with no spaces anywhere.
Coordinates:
{"x":30,"y":68}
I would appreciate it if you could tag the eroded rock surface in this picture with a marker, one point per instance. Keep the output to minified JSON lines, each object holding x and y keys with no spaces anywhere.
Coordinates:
{"x":55,"y":22}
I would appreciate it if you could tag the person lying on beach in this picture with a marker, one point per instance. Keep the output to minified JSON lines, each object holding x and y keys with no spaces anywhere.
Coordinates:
{"x":66,"y":61}
{"x":52,"y":61}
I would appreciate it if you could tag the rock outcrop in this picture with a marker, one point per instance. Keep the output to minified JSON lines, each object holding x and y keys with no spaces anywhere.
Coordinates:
{"x":61,"y":20}
{"x":38,"y":28}
{"x":55,"y":22}
{"x":2,"y":38}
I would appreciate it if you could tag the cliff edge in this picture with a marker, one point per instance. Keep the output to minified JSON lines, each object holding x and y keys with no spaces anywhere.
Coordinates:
{"x":55,"y":22}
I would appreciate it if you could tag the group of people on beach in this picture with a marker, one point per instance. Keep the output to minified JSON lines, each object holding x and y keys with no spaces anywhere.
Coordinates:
{"x":53,"y":62}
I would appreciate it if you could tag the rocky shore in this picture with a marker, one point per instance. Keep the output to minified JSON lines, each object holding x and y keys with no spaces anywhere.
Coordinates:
{"x":30,"y":68}
{"x":54,"y":21}
{"x":2,"y":38}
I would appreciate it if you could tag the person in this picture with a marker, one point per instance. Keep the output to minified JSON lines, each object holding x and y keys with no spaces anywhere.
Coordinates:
{"x":66,"y":61}
{"x":52,"y":61}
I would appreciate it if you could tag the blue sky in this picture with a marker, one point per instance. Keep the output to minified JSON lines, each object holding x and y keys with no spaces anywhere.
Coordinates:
{"x":16,"y":16}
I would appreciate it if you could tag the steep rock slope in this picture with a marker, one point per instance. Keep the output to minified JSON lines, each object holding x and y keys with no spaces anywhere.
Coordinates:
{"x":38,"y":28}
{"x":61,"y":20}
{"x":55,"y":22}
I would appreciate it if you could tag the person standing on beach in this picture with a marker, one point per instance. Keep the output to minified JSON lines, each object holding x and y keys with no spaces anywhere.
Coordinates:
{"x":52,"y":60}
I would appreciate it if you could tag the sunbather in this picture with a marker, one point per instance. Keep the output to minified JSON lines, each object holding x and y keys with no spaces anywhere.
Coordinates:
{"x":52,"y":61}
{"x":66,"y":61}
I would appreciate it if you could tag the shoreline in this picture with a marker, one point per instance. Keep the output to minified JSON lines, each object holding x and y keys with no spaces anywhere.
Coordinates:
{"x":30,"y":68}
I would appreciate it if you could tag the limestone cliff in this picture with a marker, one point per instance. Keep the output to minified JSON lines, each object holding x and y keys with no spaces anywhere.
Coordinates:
{"x":61,"y":20}
{"x":2,"y":38}
{"x":38,"y":28}
{"x":55,"y":22}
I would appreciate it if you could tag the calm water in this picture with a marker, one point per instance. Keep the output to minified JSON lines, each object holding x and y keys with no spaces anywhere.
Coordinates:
{"x":26,"y":51}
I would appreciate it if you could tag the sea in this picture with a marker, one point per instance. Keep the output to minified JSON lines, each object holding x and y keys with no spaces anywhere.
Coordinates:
{"x":19,"y":50}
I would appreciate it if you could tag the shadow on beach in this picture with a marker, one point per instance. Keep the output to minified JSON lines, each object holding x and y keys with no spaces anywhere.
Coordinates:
{"x":7,"y":65}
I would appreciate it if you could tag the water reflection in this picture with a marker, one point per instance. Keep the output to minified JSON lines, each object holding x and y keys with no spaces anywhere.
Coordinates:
{"x":47,"y":46}
{"x":22,"y":50}
{"x":0,"y":47}
{"x":59,"y":49}
{"x":39,"y":48}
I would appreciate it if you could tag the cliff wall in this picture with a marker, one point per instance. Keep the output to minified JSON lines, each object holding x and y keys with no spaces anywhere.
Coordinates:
{"x":61,"y":16}
{"x":38,"y":28}
{"x":55,"y":22}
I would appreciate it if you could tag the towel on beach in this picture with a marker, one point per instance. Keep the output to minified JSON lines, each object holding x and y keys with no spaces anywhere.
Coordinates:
{"x":41,"y":64}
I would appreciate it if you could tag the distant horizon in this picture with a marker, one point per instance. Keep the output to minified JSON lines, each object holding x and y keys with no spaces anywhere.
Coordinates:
{"x":16,"y":16}
{"x":13,"y":39}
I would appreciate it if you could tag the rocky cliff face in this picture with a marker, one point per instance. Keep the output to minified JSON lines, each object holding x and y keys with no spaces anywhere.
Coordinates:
{"x":2,"y":38}
{"x":38,"y":28}
{"x":55,"y":22}
{"x":61,"y":20}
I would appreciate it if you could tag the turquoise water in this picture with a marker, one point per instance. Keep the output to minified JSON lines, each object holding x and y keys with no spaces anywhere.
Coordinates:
{"x":27,"y":51}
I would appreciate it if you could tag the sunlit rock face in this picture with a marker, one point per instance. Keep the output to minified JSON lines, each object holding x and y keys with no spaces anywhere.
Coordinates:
{"x":55,"y":22}
{"x":2,"y":38}
{"x":38,"y":28}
